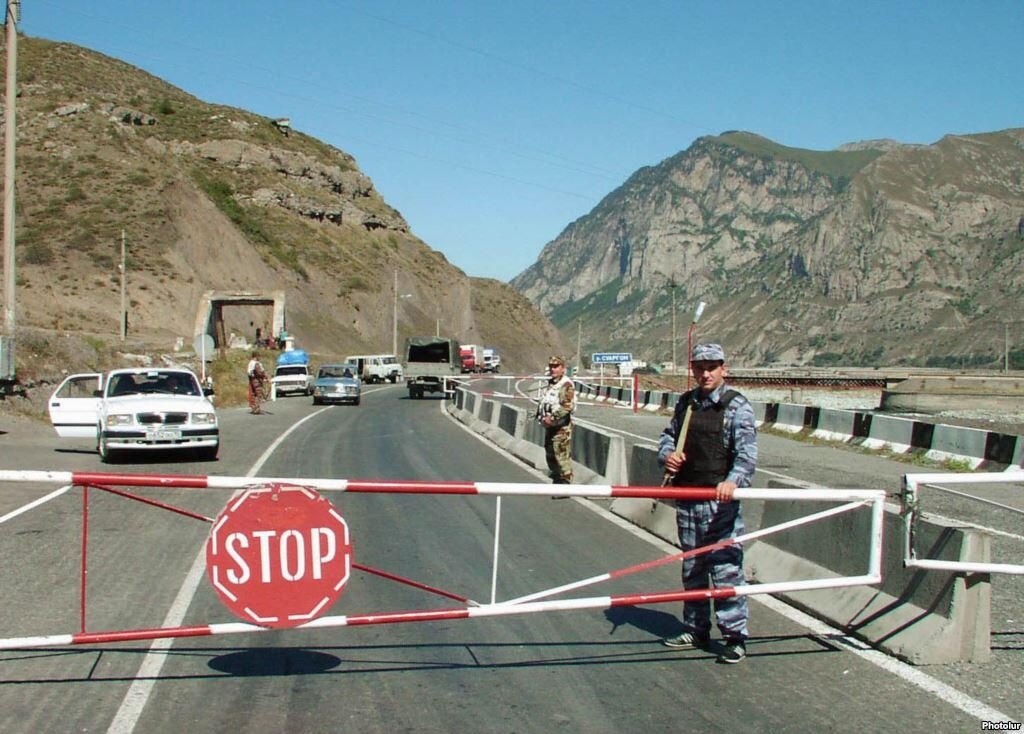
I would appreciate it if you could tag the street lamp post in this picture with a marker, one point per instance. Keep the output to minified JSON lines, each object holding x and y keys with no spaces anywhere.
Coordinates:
{"x":394,"y":320}
{"x":689,"y":338}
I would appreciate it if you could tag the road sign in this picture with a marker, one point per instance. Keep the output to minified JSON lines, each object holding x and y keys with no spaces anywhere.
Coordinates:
{"x":610,"y":357}
{"x":203,"y":344}
{"x":279,"y":555}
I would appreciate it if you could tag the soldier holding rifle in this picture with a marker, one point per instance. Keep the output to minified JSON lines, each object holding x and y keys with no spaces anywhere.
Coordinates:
{"x":711,"y":442}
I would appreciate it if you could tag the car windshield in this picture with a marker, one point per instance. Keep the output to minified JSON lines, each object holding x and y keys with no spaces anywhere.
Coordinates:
{"x":153,"y":381}
{"x":336,"y":371}
{"x":294,"y":370}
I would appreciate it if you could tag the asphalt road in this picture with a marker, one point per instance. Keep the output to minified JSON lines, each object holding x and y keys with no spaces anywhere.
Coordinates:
{"x":593,"y":671}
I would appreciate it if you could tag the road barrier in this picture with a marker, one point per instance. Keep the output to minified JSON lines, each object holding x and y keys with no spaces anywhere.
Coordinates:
{"x":923,"y":618}
{"x":253,"y":551}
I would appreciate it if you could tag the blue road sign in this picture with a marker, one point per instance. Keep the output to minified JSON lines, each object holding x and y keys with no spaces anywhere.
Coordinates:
{"x":610,"y":357}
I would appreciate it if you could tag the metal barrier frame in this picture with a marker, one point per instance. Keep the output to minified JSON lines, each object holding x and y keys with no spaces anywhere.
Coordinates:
{"x":853,"y":499}
{"x":912,"y":516}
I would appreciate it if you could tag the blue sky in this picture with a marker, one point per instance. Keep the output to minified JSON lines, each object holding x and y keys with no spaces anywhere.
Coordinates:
{"x":493,"y":125}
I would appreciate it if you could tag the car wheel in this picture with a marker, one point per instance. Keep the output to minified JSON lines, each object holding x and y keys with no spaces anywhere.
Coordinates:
{"x":356,"y":401}
{"x":208,"y":453}
{"x":107,"y":455}
{"x":316,"y":401}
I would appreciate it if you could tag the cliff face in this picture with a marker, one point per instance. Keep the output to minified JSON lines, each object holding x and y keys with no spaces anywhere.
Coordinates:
{"x":875,"y":253}
{"x":217,"y":198}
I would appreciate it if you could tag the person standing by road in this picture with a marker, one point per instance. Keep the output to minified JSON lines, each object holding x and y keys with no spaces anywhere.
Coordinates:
{"x":557,"y":403}
{"x":257,"y":378}
{"x":718,"y":449}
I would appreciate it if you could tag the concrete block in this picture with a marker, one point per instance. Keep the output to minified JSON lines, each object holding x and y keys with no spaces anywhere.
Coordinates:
{"x":601,"y":452}
{"x":510,"y":419}
{"x":486,"y":410}
{"x":896,"y":434}
{"x":922,"y":617}
{"x":835,"y":425}
{"x":964,"y":444}
{"x":791,"y":418}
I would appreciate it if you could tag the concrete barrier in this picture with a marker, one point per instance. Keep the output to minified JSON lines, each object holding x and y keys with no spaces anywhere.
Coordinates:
{"x":834,"y":425}
{"x":600,"y":451}
{"x":895,"y":434}
{"x":922,"y":617}
{"x":792,"y":418}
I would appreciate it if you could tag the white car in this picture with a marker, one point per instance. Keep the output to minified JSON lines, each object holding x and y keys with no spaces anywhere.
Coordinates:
{"x":137,"y":410}
{"x":292,"y":379}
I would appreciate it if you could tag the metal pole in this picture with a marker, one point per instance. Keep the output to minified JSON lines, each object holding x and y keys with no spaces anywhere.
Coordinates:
{"x":675,"y":364}
{"x":394,"y":322}
{"x":1006,"y":347}
{"x":12,"y":17}
{"x":124,"y":291}
{"x":579,"y":344}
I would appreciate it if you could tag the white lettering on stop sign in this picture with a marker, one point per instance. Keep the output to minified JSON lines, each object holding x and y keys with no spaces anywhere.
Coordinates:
{"x":286,"y":555}
{"x":279,"y":555}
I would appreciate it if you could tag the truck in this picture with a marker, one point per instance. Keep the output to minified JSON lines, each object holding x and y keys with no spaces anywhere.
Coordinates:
{"x":377,"y":367}
{"x":291,"y":376}
{"x":430,"y":361}
{"x":492,"y":361}
{"x":472,"y":357}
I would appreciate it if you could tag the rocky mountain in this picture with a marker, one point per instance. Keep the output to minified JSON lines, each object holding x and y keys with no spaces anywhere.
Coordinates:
{"x":215,"y":198}
{"x":875,"y":253}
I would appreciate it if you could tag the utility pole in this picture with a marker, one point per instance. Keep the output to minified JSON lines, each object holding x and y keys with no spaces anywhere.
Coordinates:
{"x":675,"y":365}
{"x":11,"y":22}
{"x":394,"y":321}
{"x":123,"y":267}
{"x":579,"y":343}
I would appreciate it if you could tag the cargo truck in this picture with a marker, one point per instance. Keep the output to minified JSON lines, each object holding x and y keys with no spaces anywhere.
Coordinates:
{"x":472,"y":358}
{"x":430,"y":361}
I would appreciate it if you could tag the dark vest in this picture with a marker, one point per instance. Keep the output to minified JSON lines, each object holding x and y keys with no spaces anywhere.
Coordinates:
{"x":707,"y":457}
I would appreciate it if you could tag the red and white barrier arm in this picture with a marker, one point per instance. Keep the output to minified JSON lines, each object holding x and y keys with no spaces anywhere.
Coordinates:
{"x":198,"y":481}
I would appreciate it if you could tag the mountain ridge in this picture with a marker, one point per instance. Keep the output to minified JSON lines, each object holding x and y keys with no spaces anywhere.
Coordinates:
{"x":875,"y":253}
{"x":217,"y":198}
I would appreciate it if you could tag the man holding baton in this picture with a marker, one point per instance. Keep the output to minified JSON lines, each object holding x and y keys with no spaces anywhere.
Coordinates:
{"x":711,"y":442}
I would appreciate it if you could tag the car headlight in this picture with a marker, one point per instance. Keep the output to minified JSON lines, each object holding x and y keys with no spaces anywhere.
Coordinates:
{"x":206,"y":419}
{"x":119,"y":419}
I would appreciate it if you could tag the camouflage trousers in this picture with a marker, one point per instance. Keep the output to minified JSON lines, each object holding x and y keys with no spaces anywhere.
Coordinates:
{"x":558,"y":452}
{"x":701,"y":524}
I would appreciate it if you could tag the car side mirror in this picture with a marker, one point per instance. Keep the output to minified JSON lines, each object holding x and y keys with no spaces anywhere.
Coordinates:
{"x":207,"y":391}
{"x":97,"y":393}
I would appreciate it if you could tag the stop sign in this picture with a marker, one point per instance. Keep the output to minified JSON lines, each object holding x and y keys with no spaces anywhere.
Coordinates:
{"x":279,"y":555}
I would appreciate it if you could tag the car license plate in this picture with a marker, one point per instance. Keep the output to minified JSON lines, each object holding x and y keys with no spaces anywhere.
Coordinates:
{"x":166,"y":435}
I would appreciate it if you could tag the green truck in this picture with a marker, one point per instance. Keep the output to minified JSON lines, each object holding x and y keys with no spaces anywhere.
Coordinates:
{"x":431,"y":364}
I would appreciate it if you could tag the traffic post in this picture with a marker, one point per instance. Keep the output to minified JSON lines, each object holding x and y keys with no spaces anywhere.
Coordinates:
{"x":279,"y":555}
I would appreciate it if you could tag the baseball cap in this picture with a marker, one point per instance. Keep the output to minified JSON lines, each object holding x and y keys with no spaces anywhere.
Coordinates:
{"x":708,"y":353}
{"x":555,"y":359}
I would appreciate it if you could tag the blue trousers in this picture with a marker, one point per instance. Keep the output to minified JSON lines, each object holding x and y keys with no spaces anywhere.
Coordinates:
{"x":701,"y":524}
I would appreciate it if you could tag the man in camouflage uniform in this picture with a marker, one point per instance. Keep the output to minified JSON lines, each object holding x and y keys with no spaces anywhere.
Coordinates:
{"x":557,"y":402}
{"x":719,"y":450}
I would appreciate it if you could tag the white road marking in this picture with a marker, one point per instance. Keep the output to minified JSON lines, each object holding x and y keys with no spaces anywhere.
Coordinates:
{"x":34,"y":503}
{"x":134,"y":702}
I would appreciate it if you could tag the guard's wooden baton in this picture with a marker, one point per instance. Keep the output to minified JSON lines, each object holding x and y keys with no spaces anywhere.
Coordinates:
{"x":680,"y":444}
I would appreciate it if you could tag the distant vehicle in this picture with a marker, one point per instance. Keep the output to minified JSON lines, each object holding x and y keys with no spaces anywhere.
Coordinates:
{"x":492,"y":361}
{"x":337,"y":383}
{"x":429,"y":361}
{"x":377,"y":367}
{"x":291,"y":376}
{"x":137,"y":410}
{"x":472,"y":358}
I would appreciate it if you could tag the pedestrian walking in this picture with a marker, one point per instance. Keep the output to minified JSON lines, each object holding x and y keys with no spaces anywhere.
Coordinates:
{"x":257,"y":379}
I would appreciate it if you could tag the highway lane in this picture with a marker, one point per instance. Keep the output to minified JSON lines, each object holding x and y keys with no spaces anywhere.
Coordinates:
{"x":590,"y":670}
